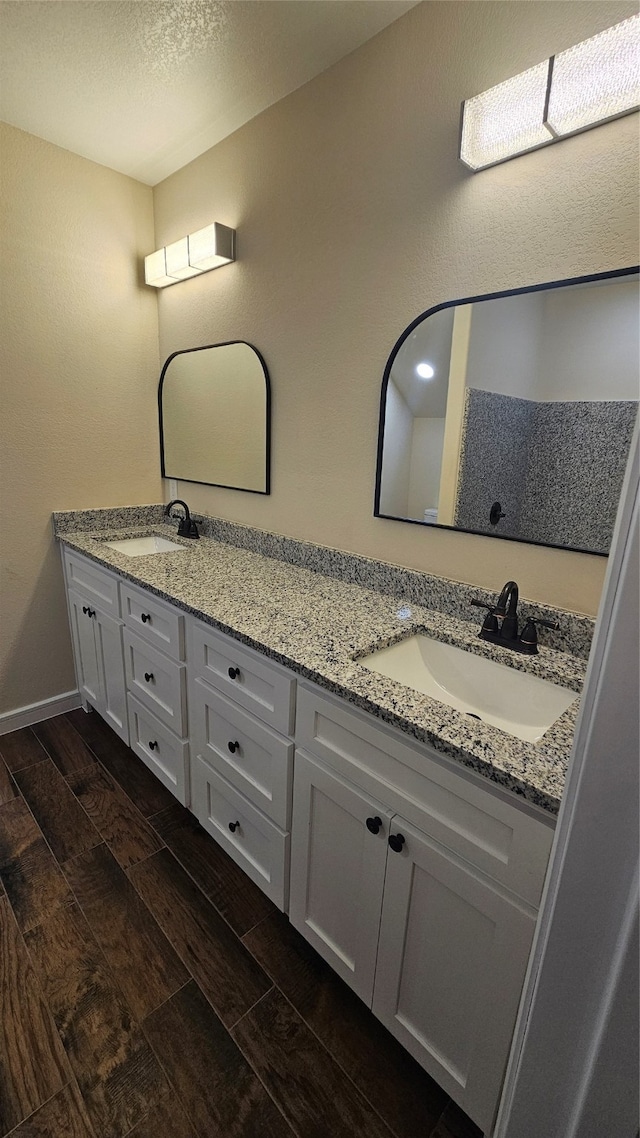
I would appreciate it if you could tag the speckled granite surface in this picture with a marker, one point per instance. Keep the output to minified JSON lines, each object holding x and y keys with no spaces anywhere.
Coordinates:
{"x":317,"y":625}
{"x":424,"y":589}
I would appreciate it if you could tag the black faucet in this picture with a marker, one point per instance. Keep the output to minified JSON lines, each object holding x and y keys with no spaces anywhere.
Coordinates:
{"x":500,"y":625}
{"x":187,"y":527}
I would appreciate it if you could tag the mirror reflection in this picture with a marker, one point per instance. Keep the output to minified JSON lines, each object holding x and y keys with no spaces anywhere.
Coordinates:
{"x":512,"y":414}
{"x":215,"y":417}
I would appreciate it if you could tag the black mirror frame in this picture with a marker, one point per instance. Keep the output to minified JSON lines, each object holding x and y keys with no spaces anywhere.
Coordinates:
{"x":611,"y":275}
{"x":222,"y":485}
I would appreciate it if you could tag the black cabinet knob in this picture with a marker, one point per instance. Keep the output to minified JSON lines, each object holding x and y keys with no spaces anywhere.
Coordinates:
{"x":233,"y":826}
{"x":145,"y":616}
{"x":148,"y":677}
{"x":92,"y":612}
{"x":374,"y":824}
{"x":153,"y":746}
{"x":396,"y":841}
{"x":86,"y":610}
{"x":234,"y":673}
{"x":233,"y":746}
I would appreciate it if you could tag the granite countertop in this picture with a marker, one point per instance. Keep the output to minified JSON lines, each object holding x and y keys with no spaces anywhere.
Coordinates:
{"x":318,"y":626}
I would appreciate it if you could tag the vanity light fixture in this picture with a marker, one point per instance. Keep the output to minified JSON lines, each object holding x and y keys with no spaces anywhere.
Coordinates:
{"x":425,"y":371}
{"x":591,"y":83}
{"x":201,"y":251}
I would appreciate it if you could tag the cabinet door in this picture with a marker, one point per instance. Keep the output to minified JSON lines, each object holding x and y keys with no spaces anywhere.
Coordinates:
{"x":84,"y":648}
{"x":337,"y":871}
{"x":113,"y":693}
{"x":451,"y":963}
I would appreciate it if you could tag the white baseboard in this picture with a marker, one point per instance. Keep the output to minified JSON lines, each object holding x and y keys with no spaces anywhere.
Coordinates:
{"x":35,"y":712}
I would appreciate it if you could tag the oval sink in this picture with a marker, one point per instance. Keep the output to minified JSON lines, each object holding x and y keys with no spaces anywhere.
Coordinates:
{"x":142,"y":546}
{"x":516,"y":702}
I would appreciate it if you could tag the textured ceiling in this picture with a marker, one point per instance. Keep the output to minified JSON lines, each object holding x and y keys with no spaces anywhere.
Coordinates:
{"x":146,"y":86}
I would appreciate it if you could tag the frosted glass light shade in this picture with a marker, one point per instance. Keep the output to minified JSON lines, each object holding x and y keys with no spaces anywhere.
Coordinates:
{"x":211,"y":247}
{"x":177,"y":255}
{"x":155,"y":270}
{"x":206,"y":249}
{"x":505,"y":120}
{"x":596,"y":80}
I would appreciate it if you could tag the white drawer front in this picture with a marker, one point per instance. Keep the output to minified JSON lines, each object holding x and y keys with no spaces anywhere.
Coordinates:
{"x":88,"y":579}
{"x":161,"y":750}
{"x":157,"y":681}
{"x":263,"y":688}
{"x":249,"y":755}
{"x":505,"y":842}
{"x":259,"y":847}
{"x":157,"y":622}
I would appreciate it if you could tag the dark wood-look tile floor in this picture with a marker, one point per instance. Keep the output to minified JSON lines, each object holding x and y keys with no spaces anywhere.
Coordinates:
{"x":150,"y":990}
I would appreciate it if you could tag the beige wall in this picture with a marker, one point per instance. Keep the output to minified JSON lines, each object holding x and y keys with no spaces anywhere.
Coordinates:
{"x":79,"y":372}
{"x":353,"y":216}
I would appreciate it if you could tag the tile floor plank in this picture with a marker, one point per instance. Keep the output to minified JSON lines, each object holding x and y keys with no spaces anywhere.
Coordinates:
{"x":129,"y":837}
{"x":216,"y":1085}
{"x":65,"y":825}
{"x":31,"y":876}
{"x":20,"y":749}
{"x":314,"y":1095}
{"x":63,"y":744}
{"x":166,"y":1119}
{"x":8,"y":788}
{"x":234,"y":895}
{"x":116,"y":1071}
{"x":143,"y":788}
{"x":140,"y":957}
{"x":63,"y":1116}
{"x":227,"y":973}
{"x":404,"y":1095}
{"x":32,"y":1060}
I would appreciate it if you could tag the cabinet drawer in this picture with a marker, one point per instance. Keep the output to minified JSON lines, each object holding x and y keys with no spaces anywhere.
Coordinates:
{"x":161,"y":750}
{"x":154,"y":620}
{"x":263,"y":688}
{"x":505,"y":842}
{"x":157,"y":681}
{"x":260,"y":848}
{"x":98,"y":585}
{"x":247,"y":753}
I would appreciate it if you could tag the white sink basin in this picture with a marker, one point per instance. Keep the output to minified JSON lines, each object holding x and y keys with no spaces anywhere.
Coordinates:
{"x":142,"y":546}
{"x":516,"y":702}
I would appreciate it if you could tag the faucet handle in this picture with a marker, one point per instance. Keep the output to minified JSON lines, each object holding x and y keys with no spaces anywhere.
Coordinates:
{"x":490,"y":622}
{"x":529,"y":634}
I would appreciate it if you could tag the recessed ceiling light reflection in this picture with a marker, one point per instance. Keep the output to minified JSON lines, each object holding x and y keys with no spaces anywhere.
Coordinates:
{"x":425,"y":371}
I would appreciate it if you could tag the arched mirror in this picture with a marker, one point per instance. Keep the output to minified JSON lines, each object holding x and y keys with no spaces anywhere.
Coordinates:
{"x":215,"y":412}
{"x":512,"y":414}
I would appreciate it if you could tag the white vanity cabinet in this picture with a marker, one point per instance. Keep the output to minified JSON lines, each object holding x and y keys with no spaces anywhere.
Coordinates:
{"x":96,"y":632}
{"x":241,"y":713}
{"x":413,"y":877}
{"x":420,"y":889}
{"x":154,"y":653}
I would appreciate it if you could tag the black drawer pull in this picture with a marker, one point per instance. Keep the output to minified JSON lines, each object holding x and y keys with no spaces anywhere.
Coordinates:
{"x":153,"y":746}
{"x":233,"y":747}
{"x":86,"y":610}
{"x":92,"y":612}
{"x":145,"y":616}
{"x":233,"y":826}
{"x":234,"y":673}
{"x":148,"y":677}
{"x":396,"y":841}
{"x":374,"y":824}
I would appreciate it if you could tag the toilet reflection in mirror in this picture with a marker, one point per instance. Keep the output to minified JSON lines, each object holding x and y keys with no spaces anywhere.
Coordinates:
{"x":527,"y":399}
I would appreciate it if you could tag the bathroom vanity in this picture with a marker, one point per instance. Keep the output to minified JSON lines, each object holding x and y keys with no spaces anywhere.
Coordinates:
{"x":407,"y":842}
